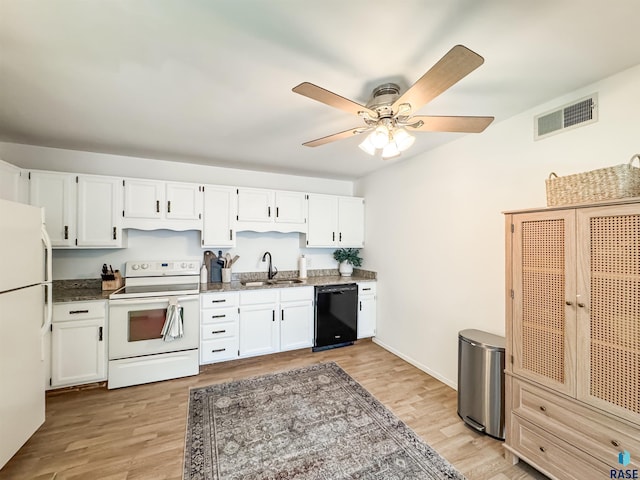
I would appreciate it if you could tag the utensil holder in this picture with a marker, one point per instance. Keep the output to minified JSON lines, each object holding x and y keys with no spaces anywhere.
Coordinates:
{"x":226,"y":275}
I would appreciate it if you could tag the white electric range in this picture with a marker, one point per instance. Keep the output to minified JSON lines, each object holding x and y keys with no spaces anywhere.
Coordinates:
{"x":137,"y":313}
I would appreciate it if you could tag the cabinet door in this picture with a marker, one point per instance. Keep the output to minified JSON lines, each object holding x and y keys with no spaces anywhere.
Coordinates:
{"x":183,"y":201}
{"x":350,"y":222}
{"x":77,"y":352}
{"x":99,"y":207}
{"x":366,"y":316}
{"x":544,"y":315}
{"x":219,"y":217}
{"x":608,"y":308}
{"x":255,"y":205}
{"x":259,"y":330}
{"x":290,"y":207}
{"x":56,"y":192}
{"x":296,"y":325}
{"x":143,"y":198}
{"x":322,"y":221}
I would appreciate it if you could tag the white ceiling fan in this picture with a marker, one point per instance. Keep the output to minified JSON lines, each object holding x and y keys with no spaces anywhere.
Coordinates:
{"x":388,"y":115}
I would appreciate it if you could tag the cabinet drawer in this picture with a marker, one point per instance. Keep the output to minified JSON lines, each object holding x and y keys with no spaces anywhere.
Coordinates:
{"x":217,"y":315}
{"x":367,"y":288}
{"x":296,"y":293}
{"x":595,"y":433}
{"x":257,"y":297}
{"x":63,"y":312}
{"x":219,"y":330}
{"x":552,"y":455}
{"x":219,"y":299}
{"x":218,"y":350}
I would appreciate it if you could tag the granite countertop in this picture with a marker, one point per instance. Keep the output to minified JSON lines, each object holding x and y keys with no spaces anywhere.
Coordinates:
{"x":311,"y":281}
{"x":91,"y":289}
{"x":79,"y":291}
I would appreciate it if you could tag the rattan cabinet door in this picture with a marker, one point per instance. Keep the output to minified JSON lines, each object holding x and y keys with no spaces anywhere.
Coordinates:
{"x":544,"y":313}
{"x":609,"y":309}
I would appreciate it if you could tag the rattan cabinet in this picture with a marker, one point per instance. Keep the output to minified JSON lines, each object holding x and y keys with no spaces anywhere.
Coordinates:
{"x":573,"y":338}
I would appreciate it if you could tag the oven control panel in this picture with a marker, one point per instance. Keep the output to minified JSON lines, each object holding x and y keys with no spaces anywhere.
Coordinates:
{"x":162,"y":268}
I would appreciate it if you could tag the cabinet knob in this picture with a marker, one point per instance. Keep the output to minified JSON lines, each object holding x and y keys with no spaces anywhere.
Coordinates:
{"x":542,"y":449}
{"x":581,"y":305}
{"x":568,"y":302}
{"x":543,"y":408}
{"x":615,"y":443}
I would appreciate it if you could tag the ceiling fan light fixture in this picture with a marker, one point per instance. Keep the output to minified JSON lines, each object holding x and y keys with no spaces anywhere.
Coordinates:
{"x":380,"y":137}
{"x":390,"y":151}
{"x":367,"y":146}
{"x":403,"y":139}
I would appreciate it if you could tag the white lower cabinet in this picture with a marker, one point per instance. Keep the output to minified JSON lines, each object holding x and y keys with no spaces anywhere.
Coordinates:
{"x":219,"y":325}
{"x":366,"y":309}
{"x":296,"y":318}
{"x":78,"y":343}
{"x":274,"y":320}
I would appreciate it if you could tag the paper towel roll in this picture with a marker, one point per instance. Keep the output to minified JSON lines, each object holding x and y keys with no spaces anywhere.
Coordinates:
{"x":302,"y":267}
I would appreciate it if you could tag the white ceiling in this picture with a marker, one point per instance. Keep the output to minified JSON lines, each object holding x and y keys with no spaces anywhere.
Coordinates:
{"x":209,"y":81}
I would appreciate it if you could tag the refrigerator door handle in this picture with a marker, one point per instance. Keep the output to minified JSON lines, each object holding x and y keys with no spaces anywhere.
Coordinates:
{"x":48,"y":293}
{"x":47,"y":245}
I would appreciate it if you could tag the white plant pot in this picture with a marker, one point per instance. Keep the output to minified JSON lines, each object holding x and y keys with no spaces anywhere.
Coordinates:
{"x":345,"y":269}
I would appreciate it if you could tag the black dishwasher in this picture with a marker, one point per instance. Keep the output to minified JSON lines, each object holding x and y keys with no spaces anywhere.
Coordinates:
{"x":336,"y":319}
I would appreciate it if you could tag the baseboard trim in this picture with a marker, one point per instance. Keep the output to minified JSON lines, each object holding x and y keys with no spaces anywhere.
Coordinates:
{"x":417,"y":364}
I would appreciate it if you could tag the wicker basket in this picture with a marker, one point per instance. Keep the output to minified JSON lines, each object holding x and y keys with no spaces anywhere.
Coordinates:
{"x":621,"y":181}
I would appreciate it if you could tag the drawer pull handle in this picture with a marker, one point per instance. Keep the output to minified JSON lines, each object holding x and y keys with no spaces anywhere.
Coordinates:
{"x":366,"y":289}
{"x":219,"y":301}
{"x":218,"y":331}
{"x":73,"y":312}
{"x":216,"y":350}
{"x":615,"y":443}
{"x":543,"y":408}
{"x":218,"y":316}
{"x":542,"y":449}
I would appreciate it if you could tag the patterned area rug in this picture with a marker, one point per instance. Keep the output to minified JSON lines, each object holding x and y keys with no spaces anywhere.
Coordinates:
{"x":311,"y":423}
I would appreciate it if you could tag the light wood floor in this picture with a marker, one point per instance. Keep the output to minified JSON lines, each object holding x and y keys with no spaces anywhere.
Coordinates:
{"x":138,"y":432}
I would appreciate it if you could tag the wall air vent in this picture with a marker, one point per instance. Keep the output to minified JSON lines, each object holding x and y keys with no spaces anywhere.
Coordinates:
{"x":572,"y":115}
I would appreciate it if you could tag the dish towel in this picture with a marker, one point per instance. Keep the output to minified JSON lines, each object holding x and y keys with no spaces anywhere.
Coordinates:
{"x":173,"y":327}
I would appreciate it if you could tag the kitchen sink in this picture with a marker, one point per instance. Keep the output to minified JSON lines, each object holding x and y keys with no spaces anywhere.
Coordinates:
{"x":255,"y":283}
{"x":261,"y":283}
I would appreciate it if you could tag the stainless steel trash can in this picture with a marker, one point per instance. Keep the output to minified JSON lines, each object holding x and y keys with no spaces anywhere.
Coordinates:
{"x":481,"y":381}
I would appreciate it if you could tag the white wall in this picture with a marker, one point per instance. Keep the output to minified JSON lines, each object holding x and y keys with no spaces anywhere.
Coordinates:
{"x":161,"y":244}
{"x":434,"y":228}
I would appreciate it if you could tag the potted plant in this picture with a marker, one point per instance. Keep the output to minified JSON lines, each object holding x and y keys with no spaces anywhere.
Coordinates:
{"x":348,"y":258}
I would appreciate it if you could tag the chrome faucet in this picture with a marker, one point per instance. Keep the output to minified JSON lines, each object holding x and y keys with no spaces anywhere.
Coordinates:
{"x":272,"y":272}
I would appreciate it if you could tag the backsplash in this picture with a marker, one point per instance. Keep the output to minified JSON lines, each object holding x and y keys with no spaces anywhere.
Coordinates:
{"x":165,"y":244}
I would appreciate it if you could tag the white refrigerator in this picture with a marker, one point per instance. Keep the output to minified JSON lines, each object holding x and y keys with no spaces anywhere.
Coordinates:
{"x":25,"y":318}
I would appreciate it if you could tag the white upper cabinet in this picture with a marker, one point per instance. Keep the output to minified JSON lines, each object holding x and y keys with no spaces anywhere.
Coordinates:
{"x":291,"y":208}
{"x":184,"y":201}
{"x":152,"y":204}
{"x":80,"y":210}
{"x":56,"y":192}
{"x":263,"y":210}
{"x":219,"y":216}
{"x":143,"y":198}
{"x":335,"y":221}
{"x":99,"y":211}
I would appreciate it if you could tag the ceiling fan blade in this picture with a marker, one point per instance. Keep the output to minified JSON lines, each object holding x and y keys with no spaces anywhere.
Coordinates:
{"x":336,"y":136}
{"x":451,"y":124}
{"x":332,"y":99}
{"x":450,"y":69}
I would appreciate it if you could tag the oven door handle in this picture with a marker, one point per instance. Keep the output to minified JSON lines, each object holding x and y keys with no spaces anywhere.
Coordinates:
{"x":144,"y":301}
